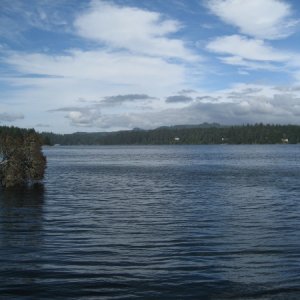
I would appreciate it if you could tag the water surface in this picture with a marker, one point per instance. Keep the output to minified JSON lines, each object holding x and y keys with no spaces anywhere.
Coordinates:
{"x":155,"y":222}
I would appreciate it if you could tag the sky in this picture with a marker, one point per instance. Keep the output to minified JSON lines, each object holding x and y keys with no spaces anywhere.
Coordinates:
{"x":80,"y":65}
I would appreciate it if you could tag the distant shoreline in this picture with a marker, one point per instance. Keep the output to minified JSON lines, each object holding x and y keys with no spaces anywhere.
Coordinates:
{"x":203,"y":134}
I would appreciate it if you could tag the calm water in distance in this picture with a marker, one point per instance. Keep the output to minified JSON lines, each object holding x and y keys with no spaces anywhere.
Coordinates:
{"x":156,"y":222}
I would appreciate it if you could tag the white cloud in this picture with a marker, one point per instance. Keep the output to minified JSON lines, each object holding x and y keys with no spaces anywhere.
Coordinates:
{"x":82,"y":118}
{"x":104,"y":67}
{"x":246,"y":48}
{"x":250,"y":65}
{"x":139,"y":31}
{"x":263,"y":19}
{"x":252,"y":54}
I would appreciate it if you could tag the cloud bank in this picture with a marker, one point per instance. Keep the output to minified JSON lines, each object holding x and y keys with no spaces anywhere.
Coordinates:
{"x":239,"y":105}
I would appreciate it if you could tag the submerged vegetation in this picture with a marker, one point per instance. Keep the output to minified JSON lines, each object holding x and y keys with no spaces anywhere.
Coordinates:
{"x":22,"y":160}
{"x":184,"y":134}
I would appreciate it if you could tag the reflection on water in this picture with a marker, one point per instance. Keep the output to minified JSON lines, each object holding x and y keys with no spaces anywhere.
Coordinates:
{"x":21,"y":238}
{"x":31,"y":196}
{"x":21,"y":215}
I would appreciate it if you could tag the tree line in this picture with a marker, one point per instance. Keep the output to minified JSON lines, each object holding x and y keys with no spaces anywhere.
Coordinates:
{"x":214,"y":134}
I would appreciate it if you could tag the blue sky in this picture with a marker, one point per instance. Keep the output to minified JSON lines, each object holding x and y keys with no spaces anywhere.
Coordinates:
{"x":70,"y":65}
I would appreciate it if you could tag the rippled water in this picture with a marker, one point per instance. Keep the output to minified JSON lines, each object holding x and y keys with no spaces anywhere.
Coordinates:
{"x":156,"y":222}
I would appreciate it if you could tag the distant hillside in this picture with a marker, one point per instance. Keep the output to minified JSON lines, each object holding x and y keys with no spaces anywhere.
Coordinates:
{"x":183,"y":134}
{"x":203,"y":125}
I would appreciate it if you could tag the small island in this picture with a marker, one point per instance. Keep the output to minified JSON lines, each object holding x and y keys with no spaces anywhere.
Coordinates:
{"x":21,"y":159}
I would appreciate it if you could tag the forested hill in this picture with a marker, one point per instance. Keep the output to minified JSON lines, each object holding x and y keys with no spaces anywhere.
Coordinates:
{"x":184,"y":134}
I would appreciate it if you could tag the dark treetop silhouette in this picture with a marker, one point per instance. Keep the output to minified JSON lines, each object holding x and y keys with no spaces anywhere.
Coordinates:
{"x":22,"y":160}
{"x":184,"y":134}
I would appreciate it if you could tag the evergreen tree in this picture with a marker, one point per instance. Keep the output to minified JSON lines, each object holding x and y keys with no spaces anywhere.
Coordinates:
{"x":22,"y":160}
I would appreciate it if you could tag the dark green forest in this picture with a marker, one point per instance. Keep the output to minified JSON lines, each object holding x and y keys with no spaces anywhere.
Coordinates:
{"x":21,"y":159}
{"x":183,"y":134}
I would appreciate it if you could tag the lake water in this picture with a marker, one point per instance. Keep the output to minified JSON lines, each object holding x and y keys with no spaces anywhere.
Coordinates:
{"x":156,"y":222}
